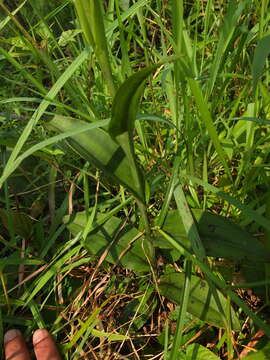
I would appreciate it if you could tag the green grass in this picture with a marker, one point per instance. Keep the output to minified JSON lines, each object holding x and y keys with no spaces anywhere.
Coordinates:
{"x":134,"y":144}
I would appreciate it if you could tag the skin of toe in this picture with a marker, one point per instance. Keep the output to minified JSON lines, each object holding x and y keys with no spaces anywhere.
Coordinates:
{"x":44,"y":346}
{"x":15,"y":349}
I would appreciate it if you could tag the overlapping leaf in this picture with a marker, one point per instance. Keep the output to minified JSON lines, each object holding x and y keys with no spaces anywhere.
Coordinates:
{"x":98,"y":147}
{"x":220,"y":237}
{"x":124,"y":246}
{"x":202,"y":303}
{"x":124,"y":111}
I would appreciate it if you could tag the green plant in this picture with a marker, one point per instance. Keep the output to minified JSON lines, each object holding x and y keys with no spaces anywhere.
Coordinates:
{"x":159,"y":163}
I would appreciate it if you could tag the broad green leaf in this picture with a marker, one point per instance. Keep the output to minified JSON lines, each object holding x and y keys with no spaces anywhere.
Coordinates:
{"x":21,"y":222}
{"x":125,"y":246}
{"x":201,"y":300}
{"x":124,"y":112}
{"x":199,"y":352}
{"x":220,"y":237}
{"x":261,"y":53}
{"x":98,"y":147}
{"x":219,"y":283}
{"x":263,"y":354}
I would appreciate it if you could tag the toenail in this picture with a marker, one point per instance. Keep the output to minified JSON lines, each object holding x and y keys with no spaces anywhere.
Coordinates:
{"x":39,"y":335}
{"x":10,"y":335}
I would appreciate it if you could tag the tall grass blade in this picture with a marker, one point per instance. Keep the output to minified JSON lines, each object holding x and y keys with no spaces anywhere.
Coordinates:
{"x":90,"y":14}
{"x":185,"y":298}
{"x":233,"y":13}
{"x":9,"y":168}
{"x":207,"y":119}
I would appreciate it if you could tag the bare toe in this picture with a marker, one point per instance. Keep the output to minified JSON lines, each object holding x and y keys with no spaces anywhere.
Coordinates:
{"x":44,"y":346}
{"x":15,"y":347}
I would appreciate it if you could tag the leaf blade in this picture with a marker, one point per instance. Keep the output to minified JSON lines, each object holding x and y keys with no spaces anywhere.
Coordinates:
{"x":202,"y":303}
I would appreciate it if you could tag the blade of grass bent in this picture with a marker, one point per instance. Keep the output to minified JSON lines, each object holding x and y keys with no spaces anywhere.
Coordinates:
{"x":128,"y":13}
{"x":30,"y":293}
{"x":5,"y":21}
{"x":25,"y":73}
{"x":9,"y":168}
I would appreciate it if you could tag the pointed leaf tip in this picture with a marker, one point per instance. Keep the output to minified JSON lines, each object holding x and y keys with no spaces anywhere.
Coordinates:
{"x":126,"y":100}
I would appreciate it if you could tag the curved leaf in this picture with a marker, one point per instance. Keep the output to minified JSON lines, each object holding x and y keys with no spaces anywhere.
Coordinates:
{"x":201,"y":302}
{"x":126,"y":101}
{"x":121,"y":126}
